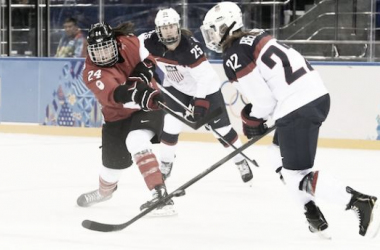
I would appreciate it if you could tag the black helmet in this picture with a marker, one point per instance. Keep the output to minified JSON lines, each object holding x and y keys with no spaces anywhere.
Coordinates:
{"x":102,"y":46}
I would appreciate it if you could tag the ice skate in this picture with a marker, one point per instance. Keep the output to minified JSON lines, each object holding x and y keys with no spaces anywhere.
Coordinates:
{"x":166,"y":169}
{"x":245,"y":171}
{"x":278,"y":171}
{"x":367,"y":211}
{"x":164,"y":209}
{"x":93,"y":197}
{"x":316,"y":220}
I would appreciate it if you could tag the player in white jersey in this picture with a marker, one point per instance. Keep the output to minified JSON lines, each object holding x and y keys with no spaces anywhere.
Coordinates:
{"x":190,"y":78}
{"x":281,"y":84}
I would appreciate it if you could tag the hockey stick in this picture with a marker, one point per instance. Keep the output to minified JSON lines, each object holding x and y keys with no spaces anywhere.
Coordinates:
{"x":175,"y":99}
{"x":194,"y":125}
{"x":102,"y":227}
{"x":253,"y":161}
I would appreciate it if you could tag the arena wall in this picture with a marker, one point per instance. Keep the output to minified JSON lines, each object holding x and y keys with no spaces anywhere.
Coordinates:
{"x":47,"y":96}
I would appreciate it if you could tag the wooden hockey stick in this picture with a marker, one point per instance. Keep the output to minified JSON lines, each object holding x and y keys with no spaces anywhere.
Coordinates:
{"x":253,"y":161}
{"x":103,"y":227}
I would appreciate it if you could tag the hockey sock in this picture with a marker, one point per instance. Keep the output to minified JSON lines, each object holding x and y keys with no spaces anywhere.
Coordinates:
{"x":167,"y":152}
{"x":330,"y":189}
{"x":229,"y":137}
{"x":169,"y":138}
{"x":148,"y":165}
{"x":238,"y":157}
{"x":106,"y":188}
{"x":292,"y":179}
{"x":275,"y":156}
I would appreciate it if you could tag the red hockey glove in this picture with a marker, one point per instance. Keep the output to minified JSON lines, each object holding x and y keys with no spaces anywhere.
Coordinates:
{"x":252,"y":126}
{"x":201,"y":107}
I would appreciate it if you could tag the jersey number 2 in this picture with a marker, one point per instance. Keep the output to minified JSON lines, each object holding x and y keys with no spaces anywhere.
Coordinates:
{"x":290,"y":76}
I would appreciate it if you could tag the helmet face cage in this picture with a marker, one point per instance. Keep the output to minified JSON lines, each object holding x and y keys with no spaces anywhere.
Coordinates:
{"x":102,"y":46}
{"x":167,"y":17}
{"x":212,"y":38}
{"x":222,"y":17}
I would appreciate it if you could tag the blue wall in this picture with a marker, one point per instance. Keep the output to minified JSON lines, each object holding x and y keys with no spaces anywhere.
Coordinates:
{"x":47,"y":91}
{"x":50,"y":91}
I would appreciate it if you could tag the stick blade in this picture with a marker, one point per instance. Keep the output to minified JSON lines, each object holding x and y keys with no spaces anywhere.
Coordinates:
{"x":100,"y":227}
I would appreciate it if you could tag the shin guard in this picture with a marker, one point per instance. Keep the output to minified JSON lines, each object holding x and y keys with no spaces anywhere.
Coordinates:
{"x":309,"y":183}
{"x":149,"y":168}
{"x":231,"y":137}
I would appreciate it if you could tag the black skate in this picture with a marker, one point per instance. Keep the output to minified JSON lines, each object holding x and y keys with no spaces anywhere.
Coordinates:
{"x":367,"y":210}
{"x":245,"y":171}
{"x":93,"y":197}
{"x":278,"y":171}
{"x":163,"y":209}
{"x":166,"y":169}
{"x":316,"y":220}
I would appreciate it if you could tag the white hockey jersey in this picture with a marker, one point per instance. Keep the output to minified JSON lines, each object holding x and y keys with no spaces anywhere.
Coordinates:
{"x":186,"y":68}
{"x":275,"y":78}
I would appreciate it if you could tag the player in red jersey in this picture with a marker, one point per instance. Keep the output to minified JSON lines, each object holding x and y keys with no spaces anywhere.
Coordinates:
{"x":119,"y":71}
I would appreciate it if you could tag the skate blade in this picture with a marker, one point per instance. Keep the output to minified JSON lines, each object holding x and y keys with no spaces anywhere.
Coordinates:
{"x":163,"y":212}
{"x":325,"y":234}
{"x":249,"y":183}
{"x":374,"y":226}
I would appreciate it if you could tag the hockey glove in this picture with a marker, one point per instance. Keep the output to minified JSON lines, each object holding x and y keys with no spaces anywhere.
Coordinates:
{"x":252,"y":126}
{"x":138,"y":92}
{"x":146,"y":97}
{"x":201,"y":107}
{"x":143,"y":72}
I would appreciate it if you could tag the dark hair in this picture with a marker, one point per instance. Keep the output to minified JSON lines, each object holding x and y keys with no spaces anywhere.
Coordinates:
{"x":71,"y":20}
{"x":124,"y":29}
{"x":186,"y":32}
{"x":235,"y":36}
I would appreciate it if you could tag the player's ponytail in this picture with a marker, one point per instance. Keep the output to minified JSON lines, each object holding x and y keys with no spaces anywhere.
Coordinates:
{"x":124,"y":29}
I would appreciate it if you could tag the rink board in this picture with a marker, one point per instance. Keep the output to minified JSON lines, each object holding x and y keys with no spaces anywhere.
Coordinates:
{"x":185,"y":136}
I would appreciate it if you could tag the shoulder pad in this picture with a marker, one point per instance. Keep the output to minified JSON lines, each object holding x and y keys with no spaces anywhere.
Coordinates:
{"x":243,"y":53}
{"x":191,"y":51}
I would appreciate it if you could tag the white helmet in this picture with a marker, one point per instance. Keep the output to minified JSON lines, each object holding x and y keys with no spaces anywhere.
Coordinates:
{"x":166,"y":17}
{"x":222,"y":20}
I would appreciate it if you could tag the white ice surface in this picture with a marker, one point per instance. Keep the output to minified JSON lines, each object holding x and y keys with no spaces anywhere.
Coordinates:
{"x":42,"y":176}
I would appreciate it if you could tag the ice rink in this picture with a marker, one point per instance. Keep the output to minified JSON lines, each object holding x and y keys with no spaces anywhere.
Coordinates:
{"x":42,"y":176}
